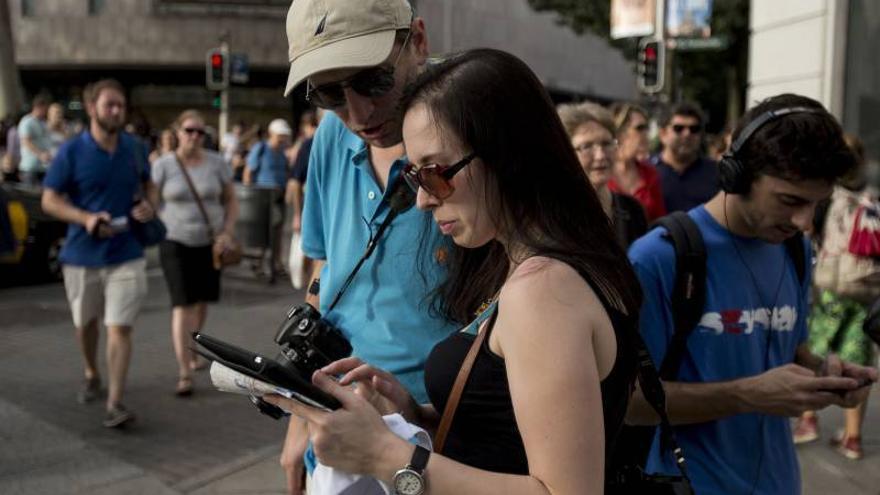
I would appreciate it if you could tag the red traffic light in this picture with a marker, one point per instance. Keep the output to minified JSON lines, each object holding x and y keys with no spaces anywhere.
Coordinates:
{"x":216,"y":69}
{"x":650,"y":53}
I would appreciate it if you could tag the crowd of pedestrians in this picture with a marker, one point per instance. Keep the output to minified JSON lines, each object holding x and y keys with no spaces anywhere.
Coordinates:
{"x":504,"y":314}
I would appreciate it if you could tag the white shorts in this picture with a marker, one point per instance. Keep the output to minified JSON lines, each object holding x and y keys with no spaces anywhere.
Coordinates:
{"x":117,"y":289}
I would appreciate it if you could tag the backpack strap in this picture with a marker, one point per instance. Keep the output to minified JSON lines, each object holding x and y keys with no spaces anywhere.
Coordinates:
{"x":260,"y":153}
{"x":689,"y":292}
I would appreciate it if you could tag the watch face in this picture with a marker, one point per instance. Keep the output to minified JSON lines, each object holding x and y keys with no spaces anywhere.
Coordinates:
{"x":408,"y":483}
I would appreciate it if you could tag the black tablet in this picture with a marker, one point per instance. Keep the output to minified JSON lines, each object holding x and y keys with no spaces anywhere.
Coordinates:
{"x":268,"y":370}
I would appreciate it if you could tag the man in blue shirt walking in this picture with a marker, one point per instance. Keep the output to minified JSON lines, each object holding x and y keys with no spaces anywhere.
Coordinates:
{"x":99,"y":183}
{"x":746,"y":366}
{"x":356,"y":58}
{"x":267,"y":168}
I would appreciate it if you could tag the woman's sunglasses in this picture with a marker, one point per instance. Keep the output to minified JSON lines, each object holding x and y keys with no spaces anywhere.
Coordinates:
{"x":194,"y":130}
{"x":370,"y":83}
{"x":434,"y":178}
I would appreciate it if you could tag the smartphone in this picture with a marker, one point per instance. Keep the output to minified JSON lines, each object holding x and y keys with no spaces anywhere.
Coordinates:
{"x":118,"y":224}
{"x":863,"y":382}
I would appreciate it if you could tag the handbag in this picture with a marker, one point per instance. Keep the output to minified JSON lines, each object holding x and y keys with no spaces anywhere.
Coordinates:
{"x":632,"y":478}
{"x":223,"y":253}
{"x":152,"y":231}
{"x":865,"y":237}
{"x":838,"y":269}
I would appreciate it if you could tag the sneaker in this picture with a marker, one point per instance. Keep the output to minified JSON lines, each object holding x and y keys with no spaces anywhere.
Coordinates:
{"x":806,"y":430}
{"x":849,"y":447}
{"x":118,"y":416}
{"x":91,"y":390}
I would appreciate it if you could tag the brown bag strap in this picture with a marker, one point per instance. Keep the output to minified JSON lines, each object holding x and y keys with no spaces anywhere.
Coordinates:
{"x":458,"y":387}
{"x":192,"y":189}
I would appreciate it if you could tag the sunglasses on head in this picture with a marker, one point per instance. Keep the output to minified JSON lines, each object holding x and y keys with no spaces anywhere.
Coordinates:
{"x":370,"y":83}
{"x":694,"y":129}
{"x":434,"y":178}
{"x":194,"y":130}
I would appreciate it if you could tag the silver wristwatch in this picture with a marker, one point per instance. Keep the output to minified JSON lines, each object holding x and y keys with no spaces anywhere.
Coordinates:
{"x":411,"y":479}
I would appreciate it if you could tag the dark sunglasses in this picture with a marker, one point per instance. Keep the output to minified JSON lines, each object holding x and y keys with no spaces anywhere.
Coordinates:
{"x":194,"y":130}
{"x":369,"y":83}
{"x":434,"y":178}
{"x":694,"y":129}
{"x":641,"y":127}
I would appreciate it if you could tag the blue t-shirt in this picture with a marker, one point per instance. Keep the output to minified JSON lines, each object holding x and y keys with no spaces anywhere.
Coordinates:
{"x":698,"y":184}
{"x":270,"y":166}
{"x":731,"y":341}
{"x":94,"y":180}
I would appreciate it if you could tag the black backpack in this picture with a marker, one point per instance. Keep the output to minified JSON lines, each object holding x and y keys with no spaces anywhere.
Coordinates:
{"x":688,"y":300}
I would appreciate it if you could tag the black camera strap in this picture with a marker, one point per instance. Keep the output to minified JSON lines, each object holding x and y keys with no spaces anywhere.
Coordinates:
{"x":400,"y":197}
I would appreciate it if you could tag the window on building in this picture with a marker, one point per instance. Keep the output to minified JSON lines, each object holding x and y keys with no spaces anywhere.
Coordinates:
{"x":27,"y":8}
{"x":96,"y":6}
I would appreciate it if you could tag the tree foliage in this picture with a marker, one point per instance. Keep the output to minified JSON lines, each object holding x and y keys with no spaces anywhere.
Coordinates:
{"x":714,"y":79}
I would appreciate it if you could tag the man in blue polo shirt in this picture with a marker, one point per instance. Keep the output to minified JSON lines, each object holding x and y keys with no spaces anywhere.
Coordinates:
{"x":687,"y":177}
{"x":94,"y":184}
{"x":356,"y":59}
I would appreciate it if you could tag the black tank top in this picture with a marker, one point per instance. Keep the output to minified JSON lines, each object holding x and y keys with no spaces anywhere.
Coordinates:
{"x":484,"y":433}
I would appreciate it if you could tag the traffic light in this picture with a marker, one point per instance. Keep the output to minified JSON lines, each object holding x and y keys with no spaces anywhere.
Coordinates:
{"x":217,"y":69}
{"x":652,"y":59}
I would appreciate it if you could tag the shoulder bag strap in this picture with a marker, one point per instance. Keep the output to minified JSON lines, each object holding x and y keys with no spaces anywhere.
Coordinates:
{"x":192,"y":189}
{"x":457,"y":388}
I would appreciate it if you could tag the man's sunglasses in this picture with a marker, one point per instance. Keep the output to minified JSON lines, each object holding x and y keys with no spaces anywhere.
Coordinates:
{"x":370,"y":83}
{"x":194,"y":130}
{"x":434,"y":178}
{"x":694,"y":129}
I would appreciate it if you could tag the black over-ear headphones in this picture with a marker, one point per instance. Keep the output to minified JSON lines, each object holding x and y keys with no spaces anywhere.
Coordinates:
{"x":733,"y":176}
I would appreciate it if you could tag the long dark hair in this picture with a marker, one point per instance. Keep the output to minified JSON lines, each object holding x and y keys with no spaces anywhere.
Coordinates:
{"x":493,"y":103}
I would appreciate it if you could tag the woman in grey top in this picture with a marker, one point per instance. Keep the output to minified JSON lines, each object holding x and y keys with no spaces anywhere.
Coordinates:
{"x":186,"y":254}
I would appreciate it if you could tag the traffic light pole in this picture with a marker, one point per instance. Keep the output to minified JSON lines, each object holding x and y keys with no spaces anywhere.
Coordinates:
{"x":660,"y":34}
{"x":223,"y":124}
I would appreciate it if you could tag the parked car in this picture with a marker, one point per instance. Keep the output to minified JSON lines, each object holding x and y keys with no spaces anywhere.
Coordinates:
{"x":37,"y":237}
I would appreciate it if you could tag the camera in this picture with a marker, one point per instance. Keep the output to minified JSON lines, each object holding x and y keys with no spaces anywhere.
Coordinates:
{"x":309,"y":342}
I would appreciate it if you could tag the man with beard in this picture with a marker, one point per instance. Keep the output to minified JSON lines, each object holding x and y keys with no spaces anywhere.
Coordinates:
{"x":356,"y":58}
{"x":98,"y":183}
{"x":688,"y":178}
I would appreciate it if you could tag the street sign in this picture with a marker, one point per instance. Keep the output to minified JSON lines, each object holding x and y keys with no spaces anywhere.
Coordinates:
{"x":239,"y":68}
{"x":697,"y":44}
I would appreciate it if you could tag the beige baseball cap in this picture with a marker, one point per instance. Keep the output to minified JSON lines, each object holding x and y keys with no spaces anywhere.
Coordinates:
{"x":335,"y":34}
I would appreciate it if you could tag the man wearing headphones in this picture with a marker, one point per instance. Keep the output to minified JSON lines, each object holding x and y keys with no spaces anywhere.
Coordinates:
{"x":746,"y":367}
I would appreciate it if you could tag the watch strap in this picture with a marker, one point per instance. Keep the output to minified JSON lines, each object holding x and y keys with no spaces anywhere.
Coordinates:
{"x":419,"y":460}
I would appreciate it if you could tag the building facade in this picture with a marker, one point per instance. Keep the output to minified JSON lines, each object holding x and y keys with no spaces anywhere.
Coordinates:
{"x":157,"y":48}
{"x":824,"y":49}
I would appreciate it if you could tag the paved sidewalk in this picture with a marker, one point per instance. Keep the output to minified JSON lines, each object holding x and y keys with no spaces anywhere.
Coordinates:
{"x":212,"y":443}
{"x":51,"y":444}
